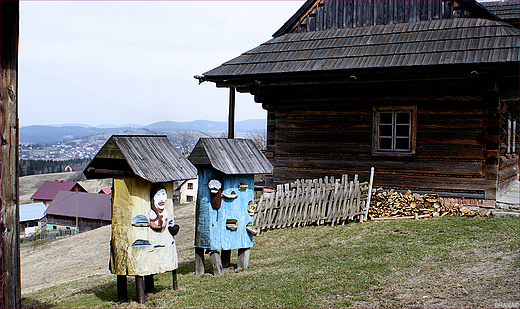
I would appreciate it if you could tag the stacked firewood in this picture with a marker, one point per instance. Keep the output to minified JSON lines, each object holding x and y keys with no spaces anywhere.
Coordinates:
{"x":394,"y":205}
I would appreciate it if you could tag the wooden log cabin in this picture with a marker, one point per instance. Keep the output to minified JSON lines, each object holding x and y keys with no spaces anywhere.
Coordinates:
{"x":424,"y":91}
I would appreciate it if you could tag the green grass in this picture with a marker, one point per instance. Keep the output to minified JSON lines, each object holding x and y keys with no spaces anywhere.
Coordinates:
{"x":317,"y":266}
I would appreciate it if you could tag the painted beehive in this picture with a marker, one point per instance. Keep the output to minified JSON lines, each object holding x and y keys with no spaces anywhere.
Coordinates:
{"x":225,"y":202}
{"x":144,"y":168}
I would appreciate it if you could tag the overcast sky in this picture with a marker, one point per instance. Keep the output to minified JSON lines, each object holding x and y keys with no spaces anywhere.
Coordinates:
{"x":124,"y":62}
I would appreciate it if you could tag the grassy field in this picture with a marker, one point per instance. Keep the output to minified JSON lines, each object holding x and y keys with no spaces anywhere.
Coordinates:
{"x":446,"y":262}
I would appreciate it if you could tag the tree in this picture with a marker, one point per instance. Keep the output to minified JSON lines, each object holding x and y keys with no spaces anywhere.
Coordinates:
{"x":187,"y":141}
{"x":259,"y":137}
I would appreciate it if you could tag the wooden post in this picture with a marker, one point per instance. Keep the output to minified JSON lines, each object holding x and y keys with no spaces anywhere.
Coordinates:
{"x":199,"y":261}
{"x":369,"y":192}
{"x":231,"y":117}
{"x":217,"y":263}
{"x":174,"y":279}
{"x":10,"y":278}
{"x":148,"y":284}
{"x":122,"y":290}
{"x":139,"y":286}
{"x":243,"y":258}
{"x":226,"y":258}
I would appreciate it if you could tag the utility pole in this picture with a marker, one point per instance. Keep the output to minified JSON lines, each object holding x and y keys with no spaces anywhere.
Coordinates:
{"x":10,"y":278}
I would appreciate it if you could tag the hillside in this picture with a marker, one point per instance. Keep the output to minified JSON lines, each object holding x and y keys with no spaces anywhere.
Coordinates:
{"x":41,"y":134}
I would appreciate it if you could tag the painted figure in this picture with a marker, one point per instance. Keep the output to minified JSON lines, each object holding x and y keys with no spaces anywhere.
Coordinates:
{"x":158,"y":215}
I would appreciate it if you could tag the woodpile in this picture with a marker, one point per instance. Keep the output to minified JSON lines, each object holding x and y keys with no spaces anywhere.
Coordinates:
{"x":388,"y":205}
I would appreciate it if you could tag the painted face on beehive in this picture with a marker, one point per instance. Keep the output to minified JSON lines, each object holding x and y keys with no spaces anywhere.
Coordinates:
{"x":160,"y":198}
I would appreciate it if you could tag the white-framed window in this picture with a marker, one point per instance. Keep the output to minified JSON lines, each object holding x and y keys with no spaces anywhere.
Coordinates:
{"x":394,"y":130}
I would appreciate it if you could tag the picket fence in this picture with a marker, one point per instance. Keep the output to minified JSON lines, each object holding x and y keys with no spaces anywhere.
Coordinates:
{"x":319,"y":201}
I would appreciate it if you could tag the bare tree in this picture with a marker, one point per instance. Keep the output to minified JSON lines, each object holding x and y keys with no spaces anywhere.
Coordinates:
{"x":187,"y":141}
{"x":259,"y":137}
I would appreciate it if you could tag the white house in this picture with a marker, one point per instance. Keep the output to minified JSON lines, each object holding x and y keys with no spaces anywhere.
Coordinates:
{"x":188,"y":191}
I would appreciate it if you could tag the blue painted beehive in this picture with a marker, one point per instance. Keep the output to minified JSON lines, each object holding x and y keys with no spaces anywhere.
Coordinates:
{"x":225,"y":197}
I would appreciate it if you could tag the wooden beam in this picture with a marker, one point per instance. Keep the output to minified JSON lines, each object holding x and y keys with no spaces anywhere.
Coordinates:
{"x":231,"y":119}
{"x":10,"y":279}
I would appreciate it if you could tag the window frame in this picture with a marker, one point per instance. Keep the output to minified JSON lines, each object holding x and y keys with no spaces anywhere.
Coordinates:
{"x":189,"y":186}
{"x":377,"y":110}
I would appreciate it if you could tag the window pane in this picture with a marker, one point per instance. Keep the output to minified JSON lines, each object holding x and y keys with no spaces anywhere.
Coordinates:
{"x":385,"y":130}
{"x":402,"y":118}
{"x":385,"y":143}
{"x":402,"y":144}
{"x":385,"y":118}
{"x":402,"y":130}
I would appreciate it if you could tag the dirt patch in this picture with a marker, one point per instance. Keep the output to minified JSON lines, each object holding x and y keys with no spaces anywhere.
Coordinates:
{"x":46,"y":264}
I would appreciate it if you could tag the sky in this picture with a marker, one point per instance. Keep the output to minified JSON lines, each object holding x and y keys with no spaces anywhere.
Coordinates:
{"x":133,"y":62}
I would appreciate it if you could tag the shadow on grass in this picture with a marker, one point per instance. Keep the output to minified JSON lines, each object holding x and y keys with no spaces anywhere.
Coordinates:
{"x":108,"y":292}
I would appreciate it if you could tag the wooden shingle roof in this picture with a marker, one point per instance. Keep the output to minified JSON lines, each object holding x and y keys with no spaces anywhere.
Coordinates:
{"x":230,"y":156}
{"x":422,"y":43}
{"x":506,"y":10}
{"x":151,"y":157}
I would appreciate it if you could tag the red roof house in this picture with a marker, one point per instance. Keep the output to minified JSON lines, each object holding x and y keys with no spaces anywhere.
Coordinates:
{"x":105,"y":191}
{"x":49,"y":189}
{"x":92,"y":210}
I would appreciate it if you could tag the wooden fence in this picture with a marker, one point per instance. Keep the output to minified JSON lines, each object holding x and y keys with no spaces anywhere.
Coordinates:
{"x":319,"y":201}
{"x":44,"y":234}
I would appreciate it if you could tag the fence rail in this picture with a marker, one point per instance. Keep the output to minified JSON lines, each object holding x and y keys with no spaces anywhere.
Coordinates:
{"x":319,"y":201}
{"x":48,"y":235}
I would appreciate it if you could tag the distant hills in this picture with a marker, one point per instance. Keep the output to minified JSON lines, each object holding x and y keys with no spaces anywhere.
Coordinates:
{"x":58,"y":133}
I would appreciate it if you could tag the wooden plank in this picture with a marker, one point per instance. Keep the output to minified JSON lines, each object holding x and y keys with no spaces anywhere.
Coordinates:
{"x":508,"y":173}
{"x":10,"y":274}
{"x":349,"y":13}
{"x":355,"y":165}
{"x":344,"y":203}
{"x":310,"y":148}
{"x":259,"y":211}
{"x":308,"y":202}
{"x":369,"y":193}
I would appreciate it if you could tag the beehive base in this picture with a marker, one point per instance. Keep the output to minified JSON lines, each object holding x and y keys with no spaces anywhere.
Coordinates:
{"x":220,"y":262}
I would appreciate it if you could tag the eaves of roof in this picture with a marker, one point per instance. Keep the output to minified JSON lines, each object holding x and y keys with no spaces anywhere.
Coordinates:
{"x":151,"y":157}
{"x":418,"y":44}
{"x":230,"y":156}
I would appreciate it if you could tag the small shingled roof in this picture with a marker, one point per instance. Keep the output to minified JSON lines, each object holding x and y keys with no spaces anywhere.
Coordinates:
{"x":151,"y":157}
{"x":30,"y":212}
{"x":48,"y":190}
{"x":84,"y":205}
{"x":422,"y":43}
{"x":230,"y":156}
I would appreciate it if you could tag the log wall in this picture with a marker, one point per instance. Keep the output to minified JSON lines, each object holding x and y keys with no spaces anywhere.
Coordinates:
{"x":323,"y":130}
{"x":340,"y":14}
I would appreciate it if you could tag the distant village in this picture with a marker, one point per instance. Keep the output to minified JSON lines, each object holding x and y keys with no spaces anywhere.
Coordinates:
{"x":60,"y":151}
